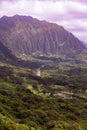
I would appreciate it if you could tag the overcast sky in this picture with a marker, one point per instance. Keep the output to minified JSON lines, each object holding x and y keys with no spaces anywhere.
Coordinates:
{"x":72,"y":14}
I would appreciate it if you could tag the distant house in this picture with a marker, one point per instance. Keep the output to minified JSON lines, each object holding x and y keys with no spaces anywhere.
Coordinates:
{"x":38,"y":72}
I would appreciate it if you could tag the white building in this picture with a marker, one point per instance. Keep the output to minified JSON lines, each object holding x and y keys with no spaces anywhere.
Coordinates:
{"x":38,"y":72}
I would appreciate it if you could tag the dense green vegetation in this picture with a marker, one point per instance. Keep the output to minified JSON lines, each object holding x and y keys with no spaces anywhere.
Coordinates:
{"x":29,"y":102}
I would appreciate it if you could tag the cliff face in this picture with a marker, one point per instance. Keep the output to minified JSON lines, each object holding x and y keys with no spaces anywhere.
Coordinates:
{"x":26,"y":35}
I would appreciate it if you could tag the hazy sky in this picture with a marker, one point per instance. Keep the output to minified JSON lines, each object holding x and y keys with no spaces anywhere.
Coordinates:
{"x":72,"y":14}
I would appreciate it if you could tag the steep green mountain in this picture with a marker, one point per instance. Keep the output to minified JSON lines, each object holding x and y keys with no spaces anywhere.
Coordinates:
{"x":29,"y":36}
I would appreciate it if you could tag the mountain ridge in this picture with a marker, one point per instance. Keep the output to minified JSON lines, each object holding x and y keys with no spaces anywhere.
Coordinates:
{"x":29,"y":36}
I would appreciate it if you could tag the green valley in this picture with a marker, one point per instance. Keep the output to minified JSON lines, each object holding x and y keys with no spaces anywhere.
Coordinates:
{"x":56,"y":100}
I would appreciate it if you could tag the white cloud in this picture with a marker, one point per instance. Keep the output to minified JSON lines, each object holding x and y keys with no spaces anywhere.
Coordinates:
{"x":77,"y":6}
{"x":69,"y":13}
